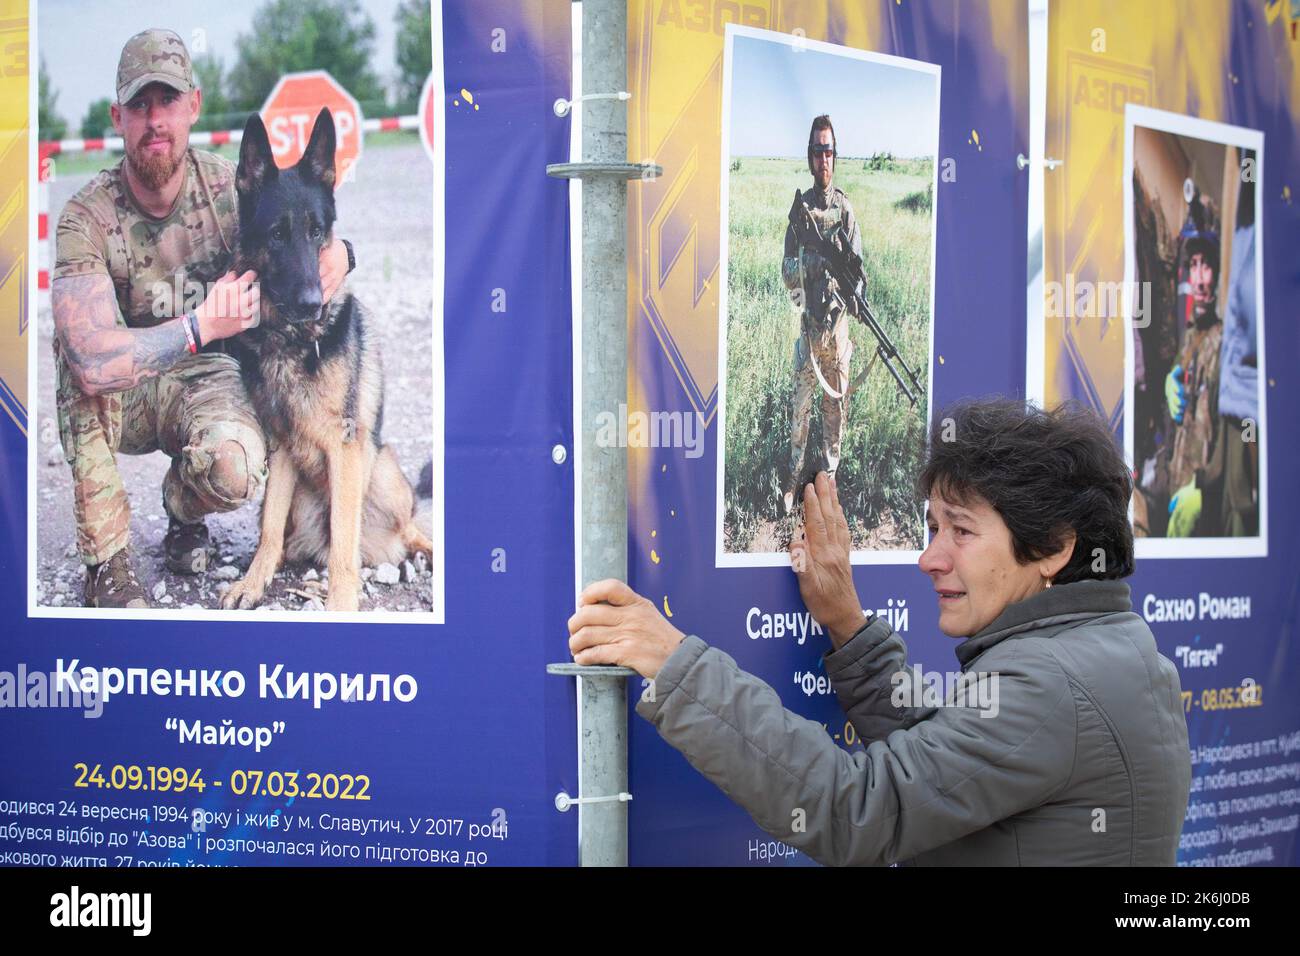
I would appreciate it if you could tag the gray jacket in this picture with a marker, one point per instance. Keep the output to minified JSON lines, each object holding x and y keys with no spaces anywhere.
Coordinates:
{"x":1085,"y":763}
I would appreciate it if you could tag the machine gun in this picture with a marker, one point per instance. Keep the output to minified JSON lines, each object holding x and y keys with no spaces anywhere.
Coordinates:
{"x":845,"y":267}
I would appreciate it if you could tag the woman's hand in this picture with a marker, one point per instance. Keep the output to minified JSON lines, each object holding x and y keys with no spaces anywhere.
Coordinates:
{"x":821,"y":563}
{"x":615,"y":625}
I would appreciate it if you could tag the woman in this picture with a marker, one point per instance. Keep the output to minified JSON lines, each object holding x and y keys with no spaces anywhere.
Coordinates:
{"x":1083,"y":761}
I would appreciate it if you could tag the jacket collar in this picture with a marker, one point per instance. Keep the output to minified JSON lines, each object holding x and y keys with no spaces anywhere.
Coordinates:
{"x":1055,"y":605}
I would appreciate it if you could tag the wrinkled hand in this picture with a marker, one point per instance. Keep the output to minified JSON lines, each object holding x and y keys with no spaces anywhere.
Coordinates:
{"x":1175,"y":397}
{"x":333,"y":268}
{"x":615,"y":625}
{"x":821,"y":563}
{"x":1184,"y":510}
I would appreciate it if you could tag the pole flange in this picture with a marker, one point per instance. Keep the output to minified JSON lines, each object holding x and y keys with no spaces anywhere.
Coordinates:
{"x":571,"y":669}
{"x":604,"y":170}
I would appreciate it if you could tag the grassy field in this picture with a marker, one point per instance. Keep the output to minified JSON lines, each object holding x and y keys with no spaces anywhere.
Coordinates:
{"x":884,"y":438}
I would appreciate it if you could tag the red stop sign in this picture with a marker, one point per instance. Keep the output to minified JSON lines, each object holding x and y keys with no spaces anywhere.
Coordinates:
{"x":426,"y":116}
{"x":290,"y":111}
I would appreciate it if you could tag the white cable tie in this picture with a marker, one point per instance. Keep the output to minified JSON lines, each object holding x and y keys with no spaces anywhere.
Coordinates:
{"x":1023,"y":161}
{"x":563,"y":106}
{"x":563,"y":801}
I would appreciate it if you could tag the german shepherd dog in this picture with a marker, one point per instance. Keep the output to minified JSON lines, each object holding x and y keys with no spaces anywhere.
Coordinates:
{"x":335,"y":492}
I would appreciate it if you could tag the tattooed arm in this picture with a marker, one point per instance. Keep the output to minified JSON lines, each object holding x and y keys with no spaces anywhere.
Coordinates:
{"x":106,"y":357}
{"x":103,"y":355}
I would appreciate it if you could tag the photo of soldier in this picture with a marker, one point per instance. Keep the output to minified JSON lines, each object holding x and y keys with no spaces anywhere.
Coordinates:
{"x":133,"y":355}
{"x":826,"y":323}
{"x":1191,"y":387}
{"x":122,"y":386}
{"x":1196,"y":428}
{"x":823,"y":348}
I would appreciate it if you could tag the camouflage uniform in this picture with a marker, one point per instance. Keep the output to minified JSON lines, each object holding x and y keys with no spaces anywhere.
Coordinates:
{"x":824,"y":327}
{"x":197,"y":411}
{"x":1197,"y":448}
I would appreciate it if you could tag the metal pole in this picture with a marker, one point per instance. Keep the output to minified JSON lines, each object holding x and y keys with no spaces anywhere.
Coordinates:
{"x":602,"y":763}
{"x":604,"y":170}
{"x":604,"y":290}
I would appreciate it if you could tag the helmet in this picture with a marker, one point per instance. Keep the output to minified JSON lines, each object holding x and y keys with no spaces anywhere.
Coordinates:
{"x":1198,"y":235}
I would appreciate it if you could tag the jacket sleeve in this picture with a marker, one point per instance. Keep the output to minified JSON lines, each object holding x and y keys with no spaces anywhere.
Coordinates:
{"x":919,"y":788}
{"x":869,"y":674}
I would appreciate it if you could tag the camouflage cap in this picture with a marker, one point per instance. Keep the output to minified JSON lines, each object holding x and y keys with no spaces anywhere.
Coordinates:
{"x":153,"y":56}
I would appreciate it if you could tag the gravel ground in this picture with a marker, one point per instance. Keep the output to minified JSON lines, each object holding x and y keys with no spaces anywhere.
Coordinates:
{"x":391,"y":228}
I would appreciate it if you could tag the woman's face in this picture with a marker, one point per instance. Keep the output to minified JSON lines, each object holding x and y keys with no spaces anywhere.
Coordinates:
{"x":971,"y":562}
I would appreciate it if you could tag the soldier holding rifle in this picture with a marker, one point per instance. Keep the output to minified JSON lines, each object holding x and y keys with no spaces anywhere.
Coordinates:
{"x":822,"y":268}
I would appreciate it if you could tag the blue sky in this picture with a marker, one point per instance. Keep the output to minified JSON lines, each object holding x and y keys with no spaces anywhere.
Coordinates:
{"x":777,"y":89}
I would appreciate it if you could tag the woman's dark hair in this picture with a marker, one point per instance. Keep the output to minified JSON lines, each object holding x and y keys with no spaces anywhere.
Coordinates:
{"x":1046,"y":473}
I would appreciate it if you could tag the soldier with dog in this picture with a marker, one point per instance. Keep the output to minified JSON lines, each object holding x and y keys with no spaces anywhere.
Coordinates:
{"x":137,"y":371}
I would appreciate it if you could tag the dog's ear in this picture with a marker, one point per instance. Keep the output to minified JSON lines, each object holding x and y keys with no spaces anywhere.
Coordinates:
{"x":318,"y":160}
{"x":256,"y":161}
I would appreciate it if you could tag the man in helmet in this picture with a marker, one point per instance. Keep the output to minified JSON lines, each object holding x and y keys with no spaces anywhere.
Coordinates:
{"x":1192,"y":391}
{"x":821,"y":358}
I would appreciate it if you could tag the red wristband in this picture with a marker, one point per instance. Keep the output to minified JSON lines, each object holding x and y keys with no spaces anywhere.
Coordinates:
{"x":189,"y":335}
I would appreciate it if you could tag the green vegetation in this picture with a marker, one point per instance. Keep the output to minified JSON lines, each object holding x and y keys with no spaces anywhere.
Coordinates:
{"x":98,"y":121}
{"x":285,"y":36}
{"x":414,"y":54}
{"x":217,"y":112}
{"x":288,"y":36}
{"x":919,"y":201}
{"x":884,"y":438}
{"x":889,"y":163}
{"x":48,"y":120}
{"x":75,"y":164}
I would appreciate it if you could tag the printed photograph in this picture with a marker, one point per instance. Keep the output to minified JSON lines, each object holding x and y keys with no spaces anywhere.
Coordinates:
{"x":237,"y":372}
{"x":829,"y":176}
{"x":1194,"y":415}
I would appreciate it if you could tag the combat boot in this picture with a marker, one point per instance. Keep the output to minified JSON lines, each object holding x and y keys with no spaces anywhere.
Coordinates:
{"x":113,"y":583}
{"x":185,"y":547}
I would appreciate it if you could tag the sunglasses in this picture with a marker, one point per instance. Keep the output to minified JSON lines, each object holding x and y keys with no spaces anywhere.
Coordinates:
{"x":823,"y":149}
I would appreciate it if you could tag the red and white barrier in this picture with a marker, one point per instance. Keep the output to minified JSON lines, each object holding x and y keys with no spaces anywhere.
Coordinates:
{"x":43,"y":238}
{"x":114,"y":144}
{"x":389,"y":123}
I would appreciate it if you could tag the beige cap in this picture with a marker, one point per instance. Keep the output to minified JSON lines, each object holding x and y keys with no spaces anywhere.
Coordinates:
{"x":153,"y":56}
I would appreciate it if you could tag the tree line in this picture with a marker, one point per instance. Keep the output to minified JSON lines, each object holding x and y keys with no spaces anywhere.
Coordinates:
{"x":287,"y":36}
